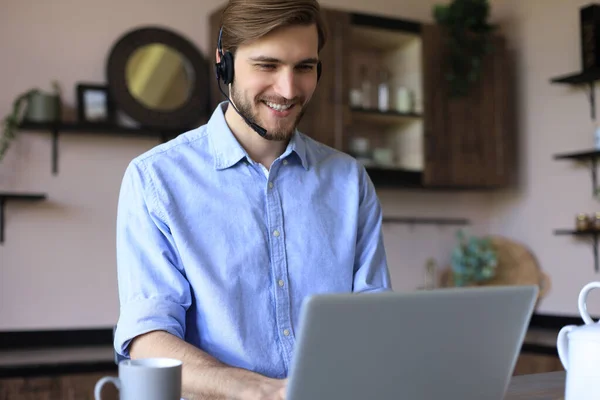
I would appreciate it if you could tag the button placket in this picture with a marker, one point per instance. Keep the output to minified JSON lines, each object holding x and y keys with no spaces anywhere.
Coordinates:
{"x":283,"y":319}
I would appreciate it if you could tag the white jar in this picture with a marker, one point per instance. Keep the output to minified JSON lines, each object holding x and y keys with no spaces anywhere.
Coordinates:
{"x":403,"y":100}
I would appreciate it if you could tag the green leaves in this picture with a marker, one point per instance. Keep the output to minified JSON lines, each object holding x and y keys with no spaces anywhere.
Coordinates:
{"x":473,"y":260}
{"x":464,"y":14}
{"x":11,"y":122}
{"x":468,"y":41}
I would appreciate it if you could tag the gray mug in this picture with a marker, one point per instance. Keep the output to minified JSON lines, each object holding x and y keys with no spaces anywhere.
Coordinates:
{"x":146,"y":379}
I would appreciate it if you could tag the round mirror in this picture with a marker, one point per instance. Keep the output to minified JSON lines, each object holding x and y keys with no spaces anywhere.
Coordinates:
{"x":159,"y":77}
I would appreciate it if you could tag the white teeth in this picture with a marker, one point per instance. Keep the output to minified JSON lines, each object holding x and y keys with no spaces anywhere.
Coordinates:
{"x":278,"y":107}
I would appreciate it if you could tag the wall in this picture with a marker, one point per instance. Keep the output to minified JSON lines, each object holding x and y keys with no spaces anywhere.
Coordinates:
{"x":553,"y":119}
{"x":57,"y":265}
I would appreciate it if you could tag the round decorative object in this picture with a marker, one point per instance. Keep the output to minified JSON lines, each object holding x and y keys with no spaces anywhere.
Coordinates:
{"x":516,"y":266}
{"x":159,"y":79}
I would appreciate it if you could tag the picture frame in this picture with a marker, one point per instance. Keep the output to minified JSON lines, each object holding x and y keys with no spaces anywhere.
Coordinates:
{"x":94,"y":104}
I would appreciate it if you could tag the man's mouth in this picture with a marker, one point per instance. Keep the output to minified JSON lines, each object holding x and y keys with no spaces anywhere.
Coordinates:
{"x":278,"y":107}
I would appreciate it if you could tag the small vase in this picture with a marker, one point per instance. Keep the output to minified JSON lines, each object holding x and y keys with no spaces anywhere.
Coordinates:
{"x":43,"y":107}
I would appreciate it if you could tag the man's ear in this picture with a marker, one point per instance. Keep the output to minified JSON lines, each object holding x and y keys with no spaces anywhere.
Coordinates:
{"x":217,"y":56}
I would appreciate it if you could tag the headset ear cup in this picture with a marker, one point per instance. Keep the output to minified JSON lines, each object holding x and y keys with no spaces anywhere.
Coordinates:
{"x":319,"y":68}
{"x":227,"y":61}
{"x":219,"y":70}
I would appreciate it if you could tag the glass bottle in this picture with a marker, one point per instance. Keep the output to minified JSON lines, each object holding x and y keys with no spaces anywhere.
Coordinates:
{"x":365,"y":86}
{"x":430,"y":274}
{"x":383,"y":92}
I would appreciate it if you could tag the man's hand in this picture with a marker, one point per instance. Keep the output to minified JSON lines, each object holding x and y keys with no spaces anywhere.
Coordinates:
{"x":203,"y":376}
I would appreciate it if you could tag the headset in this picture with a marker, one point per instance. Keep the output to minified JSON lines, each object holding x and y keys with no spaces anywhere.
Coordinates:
{"x":224,"y":72}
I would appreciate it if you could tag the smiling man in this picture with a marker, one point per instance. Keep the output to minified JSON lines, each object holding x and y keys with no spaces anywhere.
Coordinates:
{"x":279,"y":97}
{"x":225,"y":230}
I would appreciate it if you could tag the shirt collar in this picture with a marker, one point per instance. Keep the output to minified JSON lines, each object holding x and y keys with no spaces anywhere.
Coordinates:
{"x":297,"y":145}
{"x":227,"y":151}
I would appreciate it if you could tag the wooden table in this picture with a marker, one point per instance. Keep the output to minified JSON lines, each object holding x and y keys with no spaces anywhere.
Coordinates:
{"x":548,"y":386}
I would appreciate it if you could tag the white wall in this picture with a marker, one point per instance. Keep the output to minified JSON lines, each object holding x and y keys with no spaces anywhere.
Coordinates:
{"x":57,"y":265}
{"x":553,"y":119}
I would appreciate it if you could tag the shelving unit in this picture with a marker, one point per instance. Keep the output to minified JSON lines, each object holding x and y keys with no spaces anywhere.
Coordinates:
{"x":7,"y":196}
{"x":73,"y":127}
{"x":590,"y":156}
{"x":392,"y":48}
{"x":593,"y":234}
{"x":589,"y":79}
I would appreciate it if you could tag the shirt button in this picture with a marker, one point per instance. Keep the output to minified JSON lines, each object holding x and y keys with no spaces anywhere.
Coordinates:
{"x":270,"y":185}
{"x":281,"y":283}
{"x":276,"y":233}
{"x":286,"y":332}
{"x":285,"y":162}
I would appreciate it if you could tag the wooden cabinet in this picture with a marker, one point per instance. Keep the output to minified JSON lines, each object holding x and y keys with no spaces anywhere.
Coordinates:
{"x":63,"y":387}
{"x":468,"y":141}
{"x":439,"y":142}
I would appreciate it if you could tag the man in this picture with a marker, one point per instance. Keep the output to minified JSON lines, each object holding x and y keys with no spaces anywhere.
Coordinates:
{"x":224,"y":231}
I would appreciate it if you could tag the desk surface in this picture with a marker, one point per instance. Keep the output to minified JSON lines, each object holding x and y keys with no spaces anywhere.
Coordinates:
{"x":548,"y":386}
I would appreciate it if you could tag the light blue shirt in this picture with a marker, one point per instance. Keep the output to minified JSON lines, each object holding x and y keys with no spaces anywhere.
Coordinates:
{"x":219,"y":251}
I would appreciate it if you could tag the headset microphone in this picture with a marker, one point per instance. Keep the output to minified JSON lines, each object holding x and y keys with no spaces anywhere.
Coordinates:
{"x":259,"y":129}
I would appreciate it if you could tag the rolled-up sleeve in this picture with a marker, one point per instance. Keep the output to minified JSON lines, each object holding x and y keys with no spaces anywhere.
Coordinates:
{"x":153,"y":291}
{"x":371,"y":272}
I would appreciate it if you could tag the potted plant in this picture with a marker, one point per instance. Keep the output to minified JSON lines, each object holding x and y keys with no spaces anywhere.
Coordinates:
{"x":33,"y":105}
{"x":468,"y":41}
{"x":474,"y":260}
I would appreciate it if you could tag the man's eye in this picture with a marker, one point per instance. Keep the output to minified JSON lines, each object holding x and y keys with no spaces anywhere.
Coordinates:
{"x":305,"y":68}
{"x":266,"y":66}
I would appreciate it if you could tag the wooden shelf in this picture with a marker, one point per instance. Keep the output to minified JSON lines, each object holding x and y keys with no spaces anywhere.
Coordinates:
{"x":6,"y":196}
{"x":89,"y":128}
{"x":381,"y":22}
{"x":73,"y":127}
{"x":588,"y":78}
{"x":592,"y":233}
{"x":425,"y":221}
{"x":578,"y":77}
{"x":374,"y":38}
{"x":587,"y":155}
{"x":395,"y":177}
{"x":575,"y":232}
{"x":579,"y":155}
{"x":383,"y":117}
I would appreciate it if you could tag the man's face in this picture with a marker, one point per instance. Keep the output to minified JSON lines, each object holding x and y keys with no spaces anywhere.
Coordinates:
{"x":275,"y":78}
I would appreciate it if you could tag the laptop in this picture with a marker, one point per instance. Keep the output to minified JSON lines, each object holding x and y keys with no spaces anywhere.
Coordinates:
{"x":455,"y":343}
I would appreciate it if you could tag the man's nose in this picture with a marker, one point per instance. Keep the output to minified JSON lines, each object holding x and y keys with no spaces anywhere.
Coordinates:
{"x":286,"y":84}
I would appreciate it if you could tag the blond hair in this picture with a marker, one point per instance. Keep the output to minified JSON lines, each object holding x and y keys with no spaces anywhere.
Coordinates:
{"x":244,"y":21}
